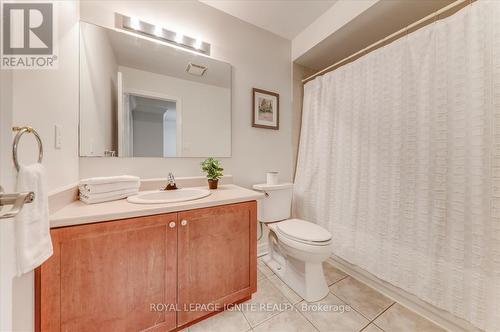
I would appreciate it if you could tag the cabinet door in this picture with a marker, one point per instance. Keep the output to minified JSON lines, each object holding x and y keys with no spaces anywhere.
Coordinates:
{"x":108,"y":276}
{"x":217,"y":258}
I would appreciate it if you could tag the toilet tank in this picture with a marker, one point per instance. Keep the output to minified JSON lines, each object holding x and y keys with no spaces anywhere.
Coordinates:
{"x":277,"y":204}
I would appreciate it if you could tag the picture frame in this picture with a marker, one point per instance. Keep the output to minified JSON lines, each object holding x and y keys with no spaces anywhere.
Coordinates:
{"x":265,"y":109}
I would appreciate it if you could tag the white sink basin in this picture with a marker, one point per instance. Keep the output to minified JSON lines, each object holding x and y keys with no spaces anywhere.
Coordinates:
{"x":168,"y":196}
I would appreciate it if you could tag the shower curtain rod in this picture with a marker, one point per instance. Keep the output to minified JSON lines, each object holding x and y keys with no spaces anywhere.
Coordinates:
{"x":391,"y":36}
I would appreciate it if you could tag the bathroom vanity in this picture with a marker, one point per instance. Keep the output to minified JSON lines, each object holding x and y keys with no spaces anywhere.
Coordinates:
{"x":163,"y":268}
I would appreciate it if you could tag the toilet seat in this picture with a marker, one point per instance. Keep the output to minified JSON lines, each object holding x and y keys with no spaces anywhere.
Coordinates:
{"x":304,"y":232}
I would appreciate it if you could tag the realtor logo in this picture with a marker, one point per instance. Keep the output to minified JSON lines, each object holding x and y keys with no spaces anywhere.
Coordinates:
{"x":28,"y":36}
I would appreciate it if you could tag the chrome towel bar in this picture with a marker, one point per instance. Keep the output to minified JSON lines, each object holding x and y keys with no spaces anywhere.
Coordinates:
{"x":20,"y":132}
{"x":10,"y":199}
{"x":17,"y":200}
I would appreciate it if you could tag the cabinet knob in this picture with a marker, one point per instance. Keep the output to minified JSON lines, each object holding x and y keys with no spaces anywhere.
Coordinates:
{"x":184,"y":222}
{"x":171,"y":224}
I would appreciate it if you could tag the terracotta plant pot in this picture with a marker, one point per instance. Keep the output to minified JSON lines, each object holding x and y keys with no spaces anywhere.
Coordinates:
{"x":212,"y":184}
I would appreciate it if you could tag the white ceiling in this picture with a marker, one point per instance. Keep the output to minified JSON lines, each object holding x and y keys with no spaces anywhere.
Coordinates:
{"x":286,"y":18}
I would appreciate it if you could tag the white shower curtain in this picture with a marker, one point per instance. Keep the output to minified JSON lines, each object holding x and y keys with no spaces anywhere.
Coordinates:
{"x":400,"y":159}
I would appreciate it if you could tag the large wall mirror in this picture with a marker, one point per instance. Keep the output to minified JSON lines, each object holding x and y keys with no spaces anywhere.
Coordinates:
{"x":142,"y":98}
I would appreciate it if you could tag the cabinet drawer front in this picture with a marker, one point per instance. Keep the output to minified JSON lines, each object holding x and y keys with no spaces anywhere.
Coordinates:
{"x":107,"y":276}
{"x":217,"y":257}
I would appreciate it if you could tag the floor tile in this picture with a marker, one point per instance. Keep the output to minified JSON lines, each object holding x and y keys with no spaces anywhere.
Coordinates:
{"x":332,"y":315}
{"x":260,"y":275}
{"x":399,"y":319}
{"x":265,"y":303}
{"x":362,"y":298}
{"x":287,"y":321}
{"x":270,"y":309}
{"x":287,"y":291}
{"x":332,"y":274}
{"x":230,"y":321}
{"x":372,"y":328}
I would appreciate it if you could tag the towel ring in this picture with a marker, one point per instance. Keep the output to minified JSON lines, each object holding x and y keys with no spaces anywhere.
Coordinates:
{"x":20,"y":132}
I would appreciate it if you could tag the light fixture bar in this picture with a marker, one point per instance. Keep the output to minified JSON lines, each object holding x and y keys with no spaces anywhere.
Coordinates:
{"x":160,"y":33}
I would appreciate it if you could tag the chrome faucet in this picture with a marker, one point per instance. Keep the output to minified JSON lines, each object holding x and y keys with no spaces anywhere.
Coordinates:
{"x":170,"y":182}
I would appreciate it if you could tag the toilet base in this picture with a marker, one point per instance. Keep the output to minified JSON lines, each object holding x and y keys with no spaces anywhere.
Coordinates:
{"x":307,"y":279}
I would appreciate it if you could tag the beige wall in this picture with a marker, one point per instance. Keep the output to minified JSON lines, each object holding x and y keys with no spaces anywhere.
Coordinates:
{"x":44,"y":98}
{"x":259,"y":59}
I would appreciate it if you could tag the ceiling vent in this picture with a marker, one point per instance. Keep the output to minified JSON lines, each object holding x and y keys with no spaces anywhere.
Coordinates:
{"x":197,"y":70}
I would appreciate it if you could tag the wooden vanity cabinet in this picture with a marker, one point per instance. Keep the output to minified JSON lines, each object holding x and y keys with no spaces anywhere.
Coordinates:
{"x":217,"y":258}
{"x":104,"y":276}
{"x":156,"y":273}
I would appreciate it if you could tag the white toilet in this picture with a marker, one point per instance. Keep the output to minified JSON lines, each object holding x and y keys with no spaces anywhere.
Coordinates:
{"x":297,"y":248}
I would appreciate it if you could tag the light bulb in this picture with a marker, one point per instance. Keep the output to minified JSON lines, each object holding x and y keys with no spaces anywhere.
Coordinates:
{"x":179,"y":38}
{"x":134,"y":23}
{"x":158,"y":31}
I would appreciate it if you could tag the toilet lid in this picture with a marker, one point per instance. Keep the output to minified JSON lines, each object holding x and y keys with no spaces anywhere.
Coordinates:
{"x":303,"y":230}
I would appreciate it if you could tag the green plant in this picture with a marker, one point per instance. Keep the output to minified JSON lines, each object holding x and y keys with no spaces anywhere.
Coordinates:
{"x":213,"y":168}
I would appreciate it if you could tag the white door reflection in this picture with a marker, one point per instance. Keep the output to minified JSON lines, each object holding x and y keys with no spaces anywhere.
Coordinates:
{"x":154,"y":131}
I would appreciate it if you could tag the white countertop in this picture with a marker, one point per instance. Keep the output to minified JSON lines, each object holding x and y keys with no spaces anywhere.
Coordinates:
{"x":77,"y":212}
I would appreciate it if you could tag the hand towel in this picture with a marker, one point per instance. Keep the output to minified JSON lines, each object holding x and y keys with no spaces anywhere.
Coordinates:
{"x":106,"y":197}
{"x":32,"y":227}
{"x":108,"y":187}
{"x":109,"y":179}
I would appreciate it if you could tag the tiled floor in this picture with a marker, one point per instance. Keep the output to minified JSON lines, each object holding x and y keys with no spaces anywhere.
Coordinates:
{"x":351,"y":306}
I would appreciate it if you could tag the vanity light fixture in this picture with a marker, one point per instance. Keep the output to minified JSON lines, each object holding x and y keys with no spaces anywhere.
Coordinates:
{"x":157,"y":32}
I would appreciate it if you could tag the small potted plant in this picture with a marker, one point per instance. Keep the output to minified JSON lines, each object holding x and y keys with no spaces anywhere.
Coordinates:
{"x":213,"y":168}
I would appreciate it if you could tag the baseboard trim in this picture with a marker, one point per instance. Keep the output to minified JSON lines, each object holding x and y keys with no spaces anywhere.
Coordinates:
{"x":261,"y":249}
{"x":410,"y":301}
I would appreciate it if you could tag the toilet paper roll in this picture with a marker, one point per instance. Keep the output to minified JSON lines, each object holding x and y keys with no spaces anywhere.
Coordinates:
{"x":272,"y":178}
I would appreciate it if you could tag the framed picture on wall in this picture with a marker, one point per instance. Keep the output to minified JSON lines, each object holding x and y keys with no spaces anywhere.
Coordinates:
{"x":266,"y":109}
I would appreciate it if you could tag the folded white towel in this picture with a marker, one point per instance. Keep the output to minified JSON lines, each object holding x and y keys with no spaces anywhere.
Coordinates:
{"x":32,"y":228}
{"x":131,"y":191}
{"x":108,"y":187}
{"x":106,"y":197}
{"x":109,"y":179}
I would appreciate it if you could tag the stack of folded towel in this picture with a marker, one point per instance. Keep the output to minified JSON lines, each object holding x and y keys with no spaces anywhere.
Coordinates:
{"x":104,"y":189}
